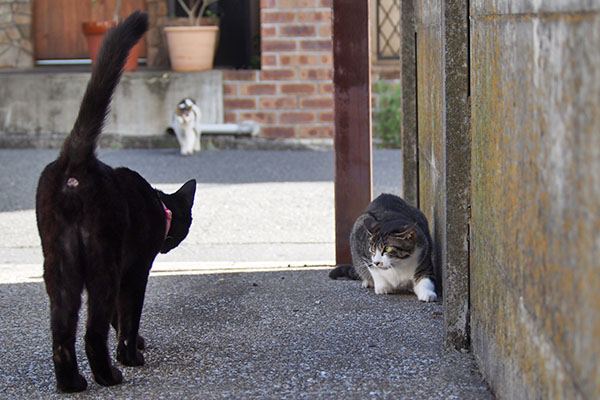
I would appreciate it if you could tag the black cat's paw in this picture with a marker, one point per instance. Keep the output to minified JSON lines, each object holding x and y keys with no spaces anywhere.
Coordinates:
{"x":132,"y":361}
{"x":131,"y":357}
{"x":75,"y":384}
{"x":114,"y":377}
{"x":141,"y":343}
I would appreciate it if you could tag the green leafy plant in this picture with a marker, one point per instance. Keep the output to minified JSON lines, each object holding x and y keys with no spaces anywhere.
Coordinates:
{"x":388,"y":114}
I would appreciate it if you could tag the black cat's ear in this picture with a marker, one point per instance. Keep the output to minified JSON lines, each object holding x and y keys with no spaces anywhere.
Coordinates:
{"x":187,"y":191}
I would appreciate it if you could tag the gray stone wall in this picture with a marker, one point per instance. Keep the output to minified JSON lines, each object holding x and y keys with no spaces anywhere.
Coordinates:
{"x":508,"y":161}
{"x":408,"y":78}
{"x":45,"y":104}
{"x":430,"y":122}
{"x":535,"y":248}
{"x":443,"y":160}
{"x":16,"y":49}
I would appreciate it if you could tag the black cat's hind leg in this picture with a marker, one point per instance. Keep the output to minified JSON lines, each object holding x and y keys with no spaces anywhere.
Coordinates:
{"x":65,"y":300}
{"x":141,"y":342}
{"x":102,"y":296}
{"x":131,"y":302}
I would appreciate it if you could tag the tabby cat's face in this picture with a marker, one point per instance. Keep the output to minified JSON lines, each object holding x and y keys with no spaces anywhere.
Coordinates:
{"x":390,"y":248}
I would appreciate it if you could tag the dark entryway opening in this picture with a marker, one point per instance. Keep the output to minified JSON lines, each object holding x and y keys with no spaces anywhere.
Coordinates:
{"x":239,"y":38}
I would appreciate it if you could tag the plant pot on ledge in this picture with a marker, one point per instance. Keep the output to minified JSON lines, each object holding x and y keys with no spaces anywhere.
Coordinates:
{"x":192,"y":41}
{"x":191,"y":48}
{"x":94,"y":32}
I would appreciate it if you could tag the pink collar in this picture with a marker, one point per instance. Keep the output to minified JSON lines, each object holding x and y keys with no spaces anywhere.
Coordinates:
{"x":169,"y":218}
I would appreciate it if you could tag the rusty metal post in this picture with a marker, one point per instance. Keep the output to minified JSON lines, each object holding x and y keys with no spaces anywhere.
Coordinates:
{"x":352,"y":140}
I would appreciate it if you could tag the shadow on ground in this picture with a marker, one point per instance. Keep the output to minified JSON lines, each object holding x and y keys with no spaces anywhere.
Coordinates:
{"x":254,"y":335}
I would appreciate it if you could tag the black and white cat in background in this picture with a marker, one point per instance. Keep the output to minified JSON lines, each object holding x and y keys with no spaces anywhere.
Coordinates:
{"x":186,"y":124}
{"x":391,"y":249}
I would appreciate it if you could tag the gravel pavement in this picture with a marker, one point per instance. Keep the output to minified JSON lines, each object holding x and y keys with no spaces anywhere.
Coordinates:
{"x":243,"y":308}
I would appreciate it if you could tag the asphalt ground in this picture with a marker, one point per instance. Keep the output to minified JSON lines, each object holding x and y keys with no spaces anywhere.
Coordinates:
{"x":243,"y":308}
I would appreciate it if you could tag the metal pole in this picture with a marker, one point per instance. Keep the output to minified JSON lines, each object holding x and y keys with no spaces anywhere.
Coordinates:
{"x":352,"y":139}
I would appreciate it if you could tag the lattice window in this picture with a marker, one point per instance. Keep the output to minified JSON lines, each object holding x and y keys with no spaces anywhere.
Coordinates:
{"x":388,"y":29}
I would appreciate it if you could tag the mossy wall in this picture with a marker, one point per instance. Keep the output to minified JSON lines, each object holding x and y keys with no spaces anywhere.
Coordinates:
{"x":535,"y":223}
{"x":508,"y":161}
{"x":443,"y":142}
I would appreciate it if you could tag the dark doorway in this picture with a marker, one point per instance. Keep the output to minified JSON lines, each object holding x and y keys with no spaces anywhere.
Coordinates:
{"x":239,"y":38}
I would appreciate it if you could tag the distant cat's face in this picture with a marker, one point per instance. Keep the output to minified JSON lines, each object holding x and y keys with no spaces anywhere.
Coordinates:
{"x":185,"y":113}
{"x":389,"y":248}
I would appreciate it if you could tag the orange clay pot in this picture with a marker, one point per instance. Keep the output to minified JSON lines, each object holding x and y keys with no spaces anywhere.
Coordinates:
{"x":191,"y":48}
{"x":94,"y":32}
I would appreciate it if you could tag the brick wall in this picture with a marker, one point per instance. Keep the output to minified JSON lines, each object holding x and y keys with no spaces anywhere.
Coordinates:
{"x":292,"y":95}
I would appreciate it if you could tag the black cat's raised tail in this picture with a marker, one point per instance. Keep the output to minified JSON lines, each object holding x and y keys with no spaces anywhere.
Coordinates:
{"x":101,"y":229}
{"x":106,"y":73}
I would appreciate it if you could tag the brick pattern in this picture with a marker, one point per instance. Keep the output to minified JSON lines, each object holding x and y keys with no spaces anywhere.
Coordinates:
{"x":16,"y":49}
{"x":292,"y":96}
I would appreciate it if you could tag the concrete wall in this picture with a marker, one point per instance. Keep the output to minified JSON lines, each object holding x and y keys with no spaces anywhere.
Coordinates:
{"x":430,"y":122}
{"x":408,"y":78}
{"x":509,"y":148}
{"x":535,"y":230}
{"x":40,"y":104}
{"x":443,"y":158}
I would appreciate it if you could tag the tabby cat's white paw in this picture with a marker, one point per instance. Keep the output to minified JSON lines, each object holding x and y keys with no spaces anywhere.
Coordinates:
{"x":427,"y":296}
{"x":383,"y":289}
{"x":424,"y":290}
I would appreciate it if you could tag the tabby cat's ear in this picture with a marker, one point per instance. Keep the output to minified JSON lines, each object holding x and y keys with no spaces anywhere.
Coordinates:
{"x":369,"y":224}
{"x":407,"y":234}
{"x":187,"y":191}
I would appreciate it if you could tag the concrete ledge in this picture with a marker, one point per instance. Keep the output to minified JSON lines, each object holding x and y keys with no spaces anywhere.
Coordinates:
{"x":46,"y":101}
{"x":219,"y":142}
{"x":106,"y":141}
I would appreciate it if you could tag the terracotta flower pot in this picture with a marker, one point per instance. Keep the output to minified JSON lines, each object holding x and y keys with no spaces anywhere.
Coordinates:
{"x":191,"y":48}
{"x":94,"y":32}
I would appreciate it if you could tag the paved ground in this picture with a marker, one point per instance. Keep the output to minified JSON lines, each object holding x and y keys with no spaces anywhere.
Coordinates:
{"x":244,"y":308}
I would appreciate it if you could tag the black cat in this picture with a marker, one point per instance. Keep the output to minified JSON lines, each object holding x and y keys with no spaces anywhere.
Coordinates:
{"x":101,"y":229}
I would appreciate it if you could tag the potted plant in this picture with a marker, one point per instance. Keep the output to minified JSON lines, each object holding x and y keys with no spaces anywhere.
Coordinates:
{"x":94,"y":32}
{"x":192,"y":46}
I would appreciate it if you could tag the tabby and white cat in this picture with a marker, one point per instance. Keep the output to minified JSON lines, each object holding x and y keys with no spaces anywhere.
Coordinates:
{"x":391,"y":249}
{"x":186,"y":124}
